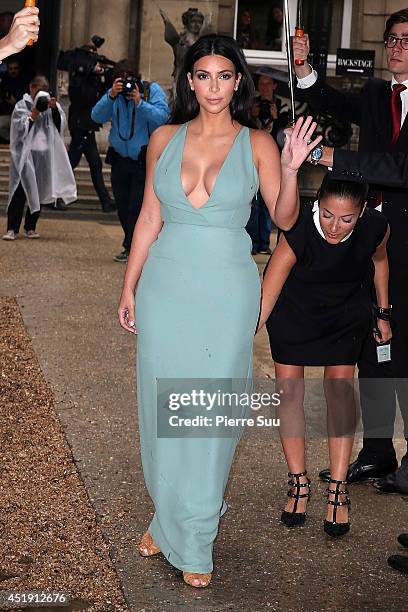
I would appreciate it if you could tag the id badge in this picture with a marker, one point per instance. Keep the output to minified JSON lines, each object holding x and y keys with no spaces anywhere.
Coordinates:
{"x":384,"y":352}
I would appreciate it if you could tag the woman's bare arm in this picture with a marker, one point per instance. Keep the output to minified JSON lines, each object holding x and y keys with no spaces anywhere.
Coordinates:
{"x":278,"y":174}
{"x":298,"y":145}
{"x":278,"y":270}
{"x":146,"y":230}
{"x":267,"y":161}
{"x":381,"y":278}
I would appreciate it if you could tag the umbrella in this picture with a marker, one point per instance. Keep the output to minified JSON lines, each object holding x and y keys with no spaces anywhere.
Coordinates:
{"x":289,"y":60}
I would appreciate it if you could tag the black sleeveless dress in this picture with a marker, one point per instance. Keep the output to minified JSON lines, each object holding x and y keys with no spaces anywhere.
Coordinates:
{"x":324,"y":311}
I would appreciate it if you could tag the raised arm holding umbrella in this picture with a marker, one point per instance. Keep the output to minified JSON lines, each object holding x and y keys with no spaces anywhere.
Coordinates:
{"x":25,"y":27}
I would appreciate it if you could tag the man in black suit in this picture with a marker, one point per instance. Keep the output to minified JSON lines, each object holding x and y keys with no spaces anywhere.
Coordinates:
{"x":380,"y":109}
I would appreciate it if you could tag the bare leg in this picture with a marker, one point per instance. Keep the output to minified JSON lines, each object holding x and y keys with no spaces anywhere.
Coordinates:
{"x":290,"y":385}
{"x":339,"y":392}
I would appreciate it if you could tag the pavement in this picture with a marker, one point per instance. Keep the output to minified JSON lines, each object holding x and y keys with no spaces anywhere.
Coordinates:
{"x":67,"y":287}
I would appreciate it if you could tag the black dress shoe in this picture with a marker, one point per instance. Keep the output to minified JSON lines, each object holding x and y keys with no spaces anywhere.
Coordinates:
{"x":392,"y":484}
{"x":399,"y":563}
{"x":403,"y":539}
{"x":360,"y":472}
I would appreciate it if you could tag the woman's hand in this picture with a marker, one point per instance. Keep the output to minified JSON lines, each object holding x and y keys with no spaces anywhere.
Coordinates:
{"x":299,"y":144}
{"x":384,"y":328}
{"x":126,"y":311}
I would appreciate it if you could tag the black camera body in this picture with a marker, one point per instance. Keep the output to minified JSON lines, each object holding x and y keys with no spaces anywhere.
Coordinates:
{"x":82,"y":63}
{"x":42,"y":104}
{"x":265,"y":115}
{"x":90,"y":75}
{"x":130,"y":83}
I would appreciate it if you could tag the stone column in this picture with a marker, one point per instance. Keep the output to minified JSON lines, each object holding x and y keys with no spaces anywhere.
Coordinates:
{"x":111,"y":21}
{"x":79,"y":22}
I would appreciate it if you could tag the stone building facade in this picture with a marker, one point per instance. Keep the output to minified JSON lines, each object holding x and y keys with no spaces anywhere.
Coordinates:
{"x":135,"y":29}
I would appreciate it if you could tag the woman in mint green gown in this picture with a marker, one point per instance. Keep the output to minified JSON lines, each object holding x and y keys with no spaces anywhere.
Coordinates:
{"x":197,"y":288}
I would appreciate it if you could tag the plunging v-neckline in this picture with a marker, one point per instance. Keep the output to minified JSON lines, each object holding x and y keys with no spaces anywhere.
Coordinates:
{"x":218,"y":174}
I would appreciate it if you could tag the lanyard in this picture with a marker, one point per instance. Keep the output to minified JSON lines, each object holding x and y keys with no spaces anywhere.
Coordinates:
{"x":132,"y":129}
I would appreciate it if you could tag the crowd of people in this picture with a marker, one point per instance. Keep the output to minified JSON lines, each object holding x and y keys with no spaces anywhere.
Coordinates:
{"x":333,"y":293}
{"x":119,"y":96}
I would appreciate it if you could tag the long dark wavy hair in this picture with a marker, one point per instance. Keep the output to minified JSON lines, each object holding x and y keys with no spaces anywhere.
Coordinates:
{"x":186,"y":106}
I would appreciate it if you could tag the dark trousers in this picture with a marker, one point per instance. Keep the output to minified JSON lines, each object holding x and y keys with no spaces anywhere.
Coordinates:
{"x":380,"y":387}
{"x":128,"y":181}
{"x":15,"y":212}
{"x":259,"y":226}
{"x":84,"y":143}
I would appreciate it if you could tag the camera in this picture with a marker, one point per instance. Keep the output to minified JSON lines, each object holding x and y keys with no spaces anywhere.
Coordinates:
{"x":83,"y":61}
{"x":42,"y":103}
{"x":129,"y":85}
{"x":265,"y":116}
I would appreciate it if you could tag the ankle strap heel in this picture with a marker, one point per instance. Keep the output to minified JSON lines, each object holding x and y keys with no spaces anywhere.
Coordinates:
{"x":296,"y":519}
{"x":333,"y":528}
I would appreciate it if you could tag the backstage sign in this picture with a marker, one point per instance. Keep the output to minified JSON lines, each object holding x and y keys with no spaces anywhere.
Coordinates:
{"x":358,"y":62}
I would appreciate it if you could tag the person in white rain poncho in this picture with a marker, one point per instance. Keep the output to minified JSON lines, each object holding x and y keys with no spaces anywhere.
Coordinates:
{"x":40,"y":171}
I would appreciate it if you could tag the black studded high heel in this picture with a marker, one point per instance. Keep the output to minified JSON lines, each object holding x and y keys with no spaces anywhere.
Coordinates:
{"x":296,"y":519}
{"x":332,"y":528}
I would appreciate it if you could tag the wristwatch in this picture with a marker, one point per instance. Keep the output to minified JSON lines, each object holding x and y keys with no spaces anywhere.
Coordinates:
{"x":384,"y":313}
{"x":316,"y":155}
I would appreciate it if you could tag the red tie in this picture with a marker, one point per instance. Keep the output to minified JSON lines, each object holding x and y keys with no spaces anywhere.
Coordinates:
{"x":396,"y":110}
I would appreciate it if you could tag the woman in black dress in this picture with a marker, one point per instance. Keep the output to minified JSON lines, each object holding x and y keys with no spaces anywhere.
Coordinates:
{"x":317,"y":307}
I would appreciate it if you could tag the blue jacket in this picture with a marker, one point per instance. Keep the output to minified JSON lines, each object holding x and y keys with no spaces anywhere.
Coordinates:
{"x":148,"y":116}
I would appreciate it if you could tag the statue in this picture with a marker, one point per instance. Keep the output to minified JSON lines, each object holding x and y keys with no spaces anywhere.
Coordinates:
{"x":195,"y":25}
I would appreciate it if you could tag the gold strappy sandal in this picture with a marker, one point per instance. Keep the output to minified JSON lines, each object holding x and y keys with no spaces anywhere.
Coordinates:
{"x":203,"y":579}
{"x":146,"y":546}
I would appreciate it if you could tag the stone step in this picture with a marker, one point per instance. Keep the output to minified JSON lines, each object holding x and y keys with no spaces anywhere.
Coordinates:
{"x":85,"y":188}
{"x":89,"y":200}
{"x":79,"y":211}
{"x":82,"y":173}
{"x":5,"y":158}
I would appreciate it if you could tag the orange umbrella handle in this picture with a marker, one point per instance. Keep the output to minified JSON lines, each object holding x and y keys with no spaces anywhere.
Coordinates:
{"x":299,"y":32}
{"x":27,"y":4}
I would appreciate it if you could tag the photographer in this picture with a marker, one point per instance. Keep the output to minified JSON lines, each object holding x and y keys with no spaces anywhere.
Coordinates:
{"x":89,"y":77}
{"x":40,"y":171}
{"x":268,"y":110}
{"x":136,"y":108}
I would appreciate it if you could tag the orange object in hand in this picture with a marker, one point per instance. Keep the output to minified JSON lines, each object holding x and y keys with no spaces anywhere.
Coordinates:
{"x":27,"y":4}
{"x":299,"y":32}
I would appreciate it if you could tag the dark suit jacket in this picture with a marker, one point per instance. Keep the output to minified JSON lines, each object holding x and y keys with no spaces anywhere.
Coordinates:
{"x":386,"y":171}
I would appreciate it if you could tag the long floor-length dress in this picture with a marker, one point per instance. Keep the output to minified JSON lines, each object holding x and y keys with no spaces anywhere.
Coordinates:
{"x":197,"y":305}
